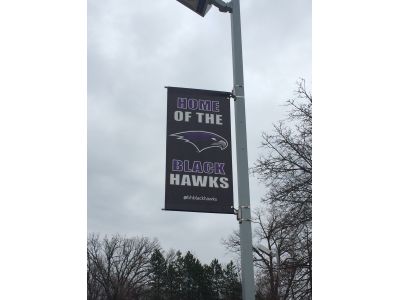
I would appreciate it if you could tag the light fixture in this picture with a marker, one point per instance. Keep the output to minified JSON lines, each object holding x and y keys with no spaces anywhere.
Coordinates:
{"x":200,"y":7}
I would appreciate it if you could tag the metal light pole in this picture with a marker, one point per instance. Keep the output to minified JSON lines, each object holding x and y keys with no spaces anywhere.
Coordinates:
{"x":246,"y":248}
{"x":244,"y":213}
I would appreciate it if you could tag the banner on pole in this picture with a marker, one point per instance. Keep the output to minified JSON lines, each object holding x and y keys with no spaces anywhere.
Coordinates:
{"x":199,"y":151}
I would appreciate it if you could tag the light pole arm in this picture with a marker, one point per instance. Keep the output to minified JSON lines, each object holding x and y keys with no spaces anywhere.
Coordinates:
{"x":222,"y":6}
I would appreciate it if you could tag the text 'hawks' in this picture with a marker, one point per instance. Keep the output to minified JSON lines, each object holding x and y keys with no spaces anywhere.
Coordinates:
{"x":199,"y":181}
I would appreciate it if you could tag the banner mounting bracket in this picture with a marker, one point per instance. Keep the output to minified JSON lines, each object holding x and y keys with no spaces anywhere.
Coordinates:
{"x":238,"y":213}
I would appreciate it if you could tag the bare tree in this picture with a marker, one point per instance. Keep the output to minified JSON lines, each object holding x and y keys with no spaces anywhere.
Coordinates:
{"x":283,"y":223}
{"x":286,"y":169}
{"x":282,"y":261}
{"x":118,"y":267}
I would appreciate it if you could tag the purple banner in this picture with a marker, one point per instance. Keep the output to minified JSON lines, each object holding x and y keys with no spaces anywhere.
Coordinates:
{"x":199,"y":153}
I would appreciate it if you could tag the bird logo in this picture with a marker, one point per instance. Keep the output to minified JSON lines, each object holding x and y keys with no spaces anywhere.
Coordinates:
{"x":202,"y":140}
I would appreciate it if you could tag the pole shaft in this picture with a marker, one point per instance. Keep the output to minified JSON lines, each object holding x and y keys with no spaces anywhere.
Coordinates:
{"x":246,"y":245}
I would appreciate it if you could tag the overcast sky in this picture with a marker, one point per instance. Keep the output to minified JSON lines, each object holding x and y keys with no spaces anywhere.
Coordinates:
{"x":133,"y":51}
{"x":135,"y":48}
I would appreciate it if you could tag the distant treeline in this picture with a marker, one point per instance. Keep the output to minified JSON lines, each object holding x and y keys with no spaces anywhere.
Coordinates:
{"x":120,"y":268}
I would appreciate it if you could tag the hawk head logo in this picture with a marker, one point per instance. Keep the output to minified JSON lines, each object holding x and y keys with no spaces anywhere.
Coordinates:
{"x":202,"y":140}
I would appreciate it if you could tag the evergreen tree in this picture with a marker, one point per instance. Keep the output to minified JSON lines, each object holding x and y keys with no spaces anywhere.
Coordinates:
{"x":232,"y":288}
{"x":193,"y":277}
{"x":175,"y":278}
{"x":218,"y":279}
{"x":158,"y":275}
{"x":206,"y":285}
